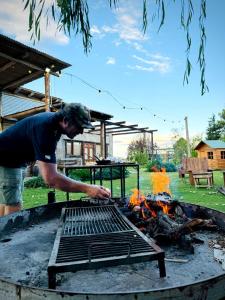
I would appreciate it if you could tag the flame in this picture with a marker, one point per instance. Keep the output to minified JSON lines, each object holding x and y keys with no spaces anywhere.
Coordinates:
{"x":160,"y":182}
{"x":164,"y":206}
{"x":146,"y":205}
{"x":136,"y":198}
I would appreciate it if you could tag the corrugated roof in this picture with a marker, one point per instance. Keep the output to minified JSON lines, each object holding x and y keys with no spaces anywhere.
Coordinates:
{"x":214,"y":144}
{"x":13,"y":104}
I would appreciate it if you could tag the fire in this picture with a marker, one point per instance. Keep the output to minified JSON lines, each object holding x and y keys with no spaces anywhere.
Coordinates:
{"x":136,"y":198}
{"x":150,"y":206}
{"x":160,"y":182}
{"x":164,"y":206}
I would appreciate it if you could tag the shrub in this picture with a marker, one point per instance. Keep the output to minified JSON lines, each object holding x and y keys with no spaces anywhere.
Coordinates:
{"x":141,"y":157}
{"x":154,"y":163}
{"x":80,"y":174}
{"x":157,"y":164}
{"x":35,"y":182}
{"x":170,"y":167}
{"x":115,"y":173}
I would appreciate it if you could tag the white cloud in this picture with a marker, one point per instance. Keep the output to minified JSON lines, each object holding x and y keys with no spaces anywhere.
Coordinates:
{"x":128,"y":20}
{"x":14,"y":21}
{"x":158,"y":63}
{"x":111,"y":61}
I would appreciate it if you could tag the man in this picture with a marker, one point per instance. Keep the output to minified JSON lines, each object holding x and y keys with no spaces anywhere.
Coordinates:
{"x":35,"y":139}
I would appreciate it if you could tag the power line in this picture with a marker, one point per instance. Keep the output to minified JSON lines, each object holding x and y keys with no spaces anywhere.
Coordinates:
{"x":123,"y":106}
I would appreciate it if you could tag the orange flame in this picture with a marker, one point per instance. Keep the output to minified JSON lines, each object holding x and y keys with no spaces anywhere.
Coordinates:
{"x":160,"y":182}
{"x":164,"y":206}
{"x":136,"y":198}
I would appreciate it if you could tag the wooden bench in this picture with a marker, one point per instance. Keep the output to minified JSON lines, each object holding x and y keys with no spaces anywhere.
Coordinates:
{"x":204,"y":179}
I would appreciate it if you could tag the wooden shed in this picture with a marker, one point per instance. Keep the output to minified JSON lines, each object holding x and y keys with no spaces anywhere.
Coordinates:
{"x":214,"y":150}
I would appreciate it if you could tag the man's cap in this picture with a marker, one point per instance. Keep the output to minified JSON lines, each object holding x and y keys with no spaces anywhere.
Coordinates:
{"x":78,"y":114}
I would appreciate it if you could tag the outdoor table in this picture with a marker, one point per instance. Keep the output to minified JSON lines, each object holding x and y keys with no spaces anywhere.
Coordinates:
{"x":93,"y":176}
{"x":198,"y":176}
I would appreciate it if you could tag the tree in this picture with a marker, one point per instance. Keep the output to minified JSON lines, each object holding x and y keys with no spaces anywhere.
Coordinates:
{"x":180,"y":150}
{"x":222,"y":124}
{"x":215,"y":128}
{"x":194,"y":142}
{"x":73,"y":16}
{"x":138,"y":151}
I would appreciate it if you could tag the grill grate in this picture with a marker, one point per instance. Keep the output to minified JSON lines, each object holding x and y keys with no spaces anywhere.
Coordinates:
{"x":93,"y":220}
{"x":98,"y":236}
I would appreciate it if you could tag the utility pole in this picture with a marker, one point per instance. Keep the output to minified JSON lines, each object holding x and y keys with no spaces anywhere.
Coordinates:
{"x":187,"y":137}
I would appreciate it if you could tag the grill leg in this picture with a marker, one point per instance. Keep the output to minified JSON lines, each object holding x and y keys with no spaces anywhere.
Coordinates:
{"x":51,"y":279}
{"x":162,"y":268}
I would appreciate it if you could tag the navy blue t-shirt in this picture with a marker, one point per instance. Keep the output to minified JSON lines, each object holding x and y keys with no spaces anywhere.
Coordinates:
{"x":33,"y":138}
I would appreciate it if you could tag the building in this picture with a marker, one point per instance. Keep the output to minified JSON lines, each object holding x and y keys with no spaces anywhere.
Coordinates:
{"x":214,"y":151}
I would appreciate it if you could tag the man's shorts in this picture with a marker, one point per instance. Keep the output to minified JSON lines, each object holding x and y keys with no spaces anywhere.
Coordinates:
{"x":11,"y":185}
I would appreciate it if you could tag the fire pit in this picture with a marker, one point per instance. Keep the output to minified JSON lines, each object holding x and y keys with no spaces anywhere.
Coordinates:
{"x":98,"y":236}
{"x":26,"y":243}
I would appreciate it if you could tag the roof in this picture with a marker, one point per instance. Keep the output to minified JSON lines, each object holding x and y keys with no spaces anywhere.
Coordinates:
{"x":25,"y":102}
{"x":214,"y":144}
{"x":20,"y":64}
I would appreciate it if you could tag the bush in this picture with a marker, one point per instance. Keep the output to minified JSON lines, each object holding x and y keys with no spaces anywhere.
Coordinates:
{"x":141,"y":158}
{"x":115,"y":173}
{"x":154,"y":163}
{"x":81,"y":174}
{"x":158,"y":164}
{"x":170,"y":167}
{"x":35,"y":182}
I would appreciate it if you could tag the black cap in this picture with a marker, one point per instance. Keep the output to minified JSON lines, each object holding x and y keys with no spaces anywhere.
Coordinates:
{"x":78,"y":114}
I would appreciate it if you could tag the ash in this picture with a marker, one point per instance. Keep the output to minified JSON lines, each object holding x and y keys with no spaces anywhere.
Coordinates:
{"x":25,"y":254}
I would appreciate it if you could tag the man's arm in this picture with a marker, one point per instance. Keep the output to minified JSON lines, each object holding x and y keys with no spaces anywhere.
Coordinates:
{"x":59,"y":181}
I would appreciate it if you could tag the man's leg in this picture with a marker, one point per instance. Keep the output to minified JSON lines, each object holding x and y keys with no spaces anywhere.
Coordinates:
{"x":9,"y":209}
{"x":11,"y":188}
{"x":2,"y":210}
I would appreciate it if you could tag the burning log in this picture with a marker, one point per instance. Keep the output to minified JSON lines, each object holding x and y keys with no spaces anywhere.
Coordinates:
{"x":163,"y":219}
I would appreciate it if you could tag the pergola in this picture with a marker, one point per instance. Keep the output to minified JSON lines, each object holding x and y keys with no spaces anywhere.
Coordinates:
{"x":120,"y":128}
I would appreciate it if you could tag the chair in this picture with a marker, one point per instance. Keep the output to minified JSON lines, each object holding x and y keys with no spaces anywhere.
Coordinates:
{"x":198,"y":170}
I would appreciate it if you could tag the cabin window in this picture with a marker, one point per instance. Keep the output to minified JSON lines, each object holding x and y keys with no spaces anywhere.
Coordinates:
{"x":210,"y":155}
{"x":222,"y":154}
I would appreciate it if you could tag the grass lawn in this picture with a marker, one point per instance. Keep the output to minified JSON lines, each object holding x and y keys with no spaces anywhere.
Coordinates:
{"x":181,"y":190}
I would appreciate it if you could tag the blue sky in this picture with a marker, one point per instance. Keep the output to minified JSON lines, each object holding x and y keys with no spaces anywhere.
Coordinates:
{"x":140,"y":71}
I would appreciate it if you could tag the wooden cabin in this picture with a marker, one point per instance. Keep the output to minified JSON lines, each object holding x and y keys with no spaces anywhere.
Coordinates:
{"x":214,"y":151}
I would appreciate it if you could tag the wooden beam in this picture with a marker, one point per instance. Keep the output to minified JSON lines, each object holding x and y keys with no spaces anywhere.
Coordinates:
{"x":32,"y":66}
{"x":23,"y":114}
{"x":129,"y":132}
{"x":7,"y":66}
{"x":127,"y":129}
{"x":22,"y":80}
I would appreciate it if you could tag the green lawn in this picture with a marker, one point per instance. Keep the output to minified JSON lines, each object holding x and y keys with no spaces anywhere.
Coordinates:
{"x":182,"y":191}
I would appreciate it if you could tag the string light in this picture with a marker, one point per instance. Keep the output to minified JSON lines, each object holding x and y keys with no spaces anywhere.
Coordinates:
{"x":137,"y":107}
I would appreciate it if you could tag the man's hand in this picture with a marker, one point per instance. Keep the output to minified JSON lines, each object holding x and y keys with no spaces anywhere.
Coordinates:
{"x":96,"y":191}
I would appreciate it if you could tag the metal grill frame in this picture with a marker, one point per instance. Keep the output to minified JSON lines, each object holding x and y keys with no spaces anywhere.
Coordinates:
{"x":55,"y":267}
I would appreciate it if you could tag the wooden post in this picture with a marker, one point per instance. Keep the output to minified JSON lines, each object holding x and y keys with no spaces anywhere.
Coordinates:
{"x":152,"y":145}
{"x":103,"y":140}
{"x":47,"y":89}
